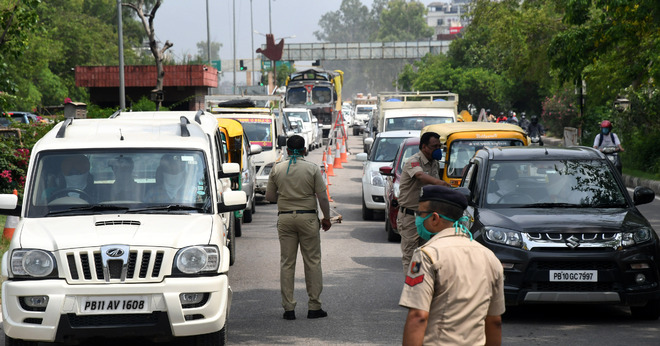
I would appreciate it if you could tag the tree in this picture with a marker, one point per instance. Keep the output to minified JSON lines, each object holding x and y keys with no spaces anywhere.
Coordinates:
{"x":351,"y":23}
{"x":157,"y":51}
{"x":202,"y":51}
{"x":403,"y":21}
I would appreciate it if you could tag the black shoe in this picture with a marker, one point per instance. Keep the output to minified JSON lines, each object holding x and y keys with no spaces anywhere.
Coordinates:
{"x":289,"y":315}
{"x":316,"y":313}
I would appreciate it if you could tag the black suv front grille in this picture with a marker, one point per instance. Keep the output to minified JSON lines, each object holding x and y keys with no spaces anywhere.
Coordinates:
{"x":574,"y":265}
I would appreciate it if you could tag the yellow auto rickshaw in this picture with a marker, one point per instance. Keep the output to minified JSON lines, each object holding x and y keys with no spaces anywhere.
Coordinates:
{"x":462,"y":139}
{"x":237,"y":148}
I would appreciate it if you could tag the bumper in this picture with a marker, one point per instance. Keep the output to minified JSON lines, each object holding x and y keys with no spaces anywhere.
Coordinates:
{"x":62,"y":320}
{"x":374,"y":196}
{"x":529,"y":281}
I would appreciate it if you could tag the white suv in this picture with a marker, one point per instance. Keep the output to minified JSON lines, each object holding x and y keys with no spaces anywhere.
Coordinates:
{"x":121,"y":235}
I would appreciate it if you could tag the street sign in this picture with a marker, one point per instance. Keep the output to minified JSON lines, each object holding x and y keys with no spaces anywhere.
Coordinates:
{"x":217,"y":64}
{"x":267,"y":64}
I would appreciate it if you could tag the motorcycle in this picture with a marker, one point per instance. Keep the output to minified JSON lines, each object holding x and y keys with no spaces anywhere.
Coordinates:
{"x":612,"y":154}
{"x":536,"y":141}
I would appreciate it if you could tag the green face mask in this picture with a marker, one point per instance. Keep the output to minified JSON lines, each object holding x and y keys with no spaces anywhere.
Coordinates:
{"x":426,"y":235}
{"x":421,"y":230}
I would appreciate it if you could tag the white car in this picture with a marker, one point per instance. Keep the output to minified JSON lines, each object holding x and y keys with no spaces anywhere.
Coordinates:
{"x":121,"y":234}
{"x":299,"y":129}
{"x":361,"y":117}
{"x":306,"y":117}
{"x":382,"y":153}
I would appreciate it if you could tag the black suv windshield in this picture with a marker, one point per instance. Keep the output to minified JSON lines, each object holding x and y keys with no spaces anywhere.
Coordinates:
{"x":561,"y":183}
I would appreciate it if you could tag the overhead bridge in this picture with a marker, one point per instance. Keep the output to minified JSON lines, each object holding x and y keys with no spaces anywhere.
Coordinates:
{"x":362,"y":51}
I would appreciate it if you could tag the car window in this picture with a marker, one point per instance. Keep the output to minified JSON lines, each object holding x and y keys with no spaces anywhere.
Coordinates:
{"x":408,"y":151}
{"x":461,"y":151}
{"x":384,"y":149}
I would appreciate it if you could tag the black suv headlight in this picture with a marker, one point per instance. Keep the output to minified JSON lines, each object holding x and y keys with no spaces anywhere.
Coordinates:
{"x":197,"y":259}
{"x":32,"y":263}
{"x":503,"y":236}
{"x":637,"y":236}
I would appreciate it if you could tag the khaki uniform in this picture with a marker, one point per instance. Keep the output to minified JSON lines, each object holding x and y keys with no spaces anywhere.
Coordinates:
{"x":459,"y":282}
{"x":298,"y":223}
{"x":409,"y":190}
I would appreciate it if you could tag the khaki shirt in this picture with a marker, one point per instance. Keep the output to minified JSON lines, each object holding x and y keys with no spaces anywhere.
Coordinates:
{"x":296,"y":190}
{"x":410,"y":187}
{"x":459,"y":282}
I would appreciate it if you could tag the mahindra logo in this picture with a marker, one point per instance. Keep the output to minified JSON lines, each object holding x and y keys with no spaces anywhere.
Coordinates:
{"x":572,"y":242}
{"x":114,"y":252}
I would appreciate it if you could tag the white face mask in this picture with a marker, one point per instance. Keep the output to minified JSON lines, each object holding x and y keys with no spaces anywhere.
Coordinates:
{"x":172,"y":183}
{"x":78,"y":181}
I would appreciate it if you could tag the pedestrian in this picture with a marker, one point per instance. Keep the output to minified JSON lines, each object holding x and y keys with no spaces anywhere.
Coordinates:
{"x":420,"y":169}
{"x":454,"y":288}
{"x":296,"y":185}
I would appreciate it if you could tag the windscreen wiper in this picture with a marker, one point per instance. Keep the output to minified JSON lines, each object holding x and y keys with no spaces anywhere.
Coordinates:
{"x":166,"y":208}
{"x":88,"y":208}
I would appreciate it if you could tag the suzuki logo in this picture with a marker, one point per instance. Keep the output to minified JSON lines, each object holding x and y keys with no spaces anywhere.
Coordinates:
{"x":572,"y":242}
{"x":115,"y":252}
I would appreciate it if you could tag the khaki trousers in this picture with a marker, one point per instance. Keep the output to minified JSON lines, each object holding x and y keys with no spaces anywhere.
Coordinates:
{"x":410,"y":240}
{"x":303,"y":229}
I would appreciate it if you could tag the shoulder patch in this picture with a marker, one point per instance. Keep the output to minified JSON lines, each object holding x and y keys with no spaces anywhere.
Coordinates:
{"x":410,"y":281}
{"x":414,"y":164}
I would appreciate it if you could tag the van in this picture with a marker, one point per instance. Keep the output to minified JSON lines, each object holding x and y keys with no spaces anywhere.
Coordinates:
{"x":121,"y":235}
{"x":462,"y":139}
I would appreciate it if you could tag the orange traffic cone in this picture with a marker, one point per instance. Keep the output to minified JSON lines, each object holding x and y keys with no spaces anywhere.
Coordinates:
{"x":330,"y":171}
{"x":337,"y":163}
{"x":344,"y":155}
{"x":10,"y":226}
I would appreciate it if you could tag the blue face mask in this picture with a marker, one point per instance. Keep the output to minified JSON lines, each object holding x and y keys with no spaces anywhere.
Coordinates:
{"x":421,"y":230}
{"x":437,"y":154}
{"x":605,"y":131}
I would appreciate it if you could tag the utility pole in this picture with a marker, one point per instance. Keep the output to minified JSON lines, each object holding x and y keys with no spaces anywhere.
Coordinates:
{"x":122,"y":87}
{"x":252,"y":47}
{"x":234,"y":30}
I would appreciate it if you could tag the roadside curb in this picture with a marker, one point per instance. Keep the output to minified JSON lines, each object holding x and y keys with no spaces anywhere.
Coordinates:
{"x":628,"y":180}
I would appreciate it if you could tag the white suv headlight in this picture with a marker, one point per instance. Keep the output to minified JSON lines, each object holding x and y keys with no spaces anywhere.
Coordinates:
{"x":196,"y":259}
{"x":31,"y":262}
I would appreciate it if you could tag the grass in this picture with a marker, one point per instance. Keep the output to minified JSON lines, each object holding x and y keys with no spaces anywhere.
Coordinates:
{"x":641,"y":174}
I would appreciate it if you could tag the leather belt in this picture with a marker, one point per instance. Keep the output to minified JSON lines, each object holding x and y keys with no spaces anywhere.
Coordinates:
{"x":407,"y":211}
{"x":297,"y":212}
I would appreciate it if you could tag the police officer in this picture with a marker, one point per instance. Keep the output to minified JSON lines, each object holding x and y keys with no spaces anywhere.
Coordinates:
{"x":454,"y":288}
{"x":296,"y":185}
{"x":419,"y":170}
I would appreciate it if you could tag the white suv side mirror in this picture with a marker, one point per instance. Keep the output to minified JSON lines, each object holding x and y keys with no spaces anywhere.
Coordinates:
{"x":232,"y":201}
{"x":230,"y":170}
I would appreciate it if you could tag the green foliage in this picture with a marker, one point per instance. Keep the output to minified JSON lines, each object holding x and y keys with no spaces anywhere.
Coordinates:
{"x":145,"y":104}
{"x":477,"y":86}
{"x":560,"y":110}
{"x":403,"y":21}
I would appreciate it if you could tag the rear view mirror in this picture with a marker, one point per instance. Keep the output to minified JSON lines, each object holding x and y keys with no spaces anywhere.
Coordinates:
{"x":281,"y":141}
{"x":255,"y":149}
{"x":230,"y":170}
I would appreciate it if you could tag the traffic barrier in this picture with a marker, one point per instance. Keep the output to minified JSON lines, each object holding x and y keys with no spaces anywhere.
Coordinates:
{"x":10,"y":226}
{"x":337,"y":163}
{"x":344,"y":155}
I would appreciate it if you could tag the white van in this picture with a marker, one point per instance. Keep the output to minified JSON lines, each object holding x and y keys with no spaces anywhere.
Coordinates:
{"x":121,"y":234}
{"x":307,"y":131}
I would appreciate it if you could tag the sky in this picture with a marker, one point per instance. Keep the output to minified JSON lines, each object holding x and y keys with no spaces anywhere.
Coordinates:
{"x":183,"y":22}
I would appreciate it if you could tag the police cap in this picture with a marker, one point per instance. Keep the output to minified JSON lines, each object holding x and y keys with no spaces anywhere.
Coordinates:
{"x":443,"y":194}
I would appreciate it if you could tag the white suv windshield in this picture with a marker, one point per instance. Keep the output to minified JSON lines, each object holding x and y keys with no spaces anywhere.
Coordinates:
{"x":78,"y":182}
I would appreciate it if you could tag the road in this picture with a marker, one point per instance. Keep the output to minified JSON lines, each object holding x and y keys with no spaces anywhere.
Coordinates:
{"x":363,"y":281}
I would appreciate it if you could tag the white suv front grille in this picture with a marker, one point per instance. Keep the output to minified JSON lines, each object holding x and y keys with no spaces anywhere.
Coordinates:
{"x":141,"y":265}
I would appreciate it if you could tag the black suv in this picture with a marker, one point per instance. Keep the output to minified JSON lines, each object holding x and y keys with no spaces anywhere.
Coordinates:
{"x":564,"y":227}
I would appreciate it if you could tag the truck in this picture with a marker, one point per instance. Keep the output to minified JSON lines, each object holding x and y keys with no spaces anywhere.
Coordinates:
{"x":318,"y":90}
{"x":415,"y":110}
